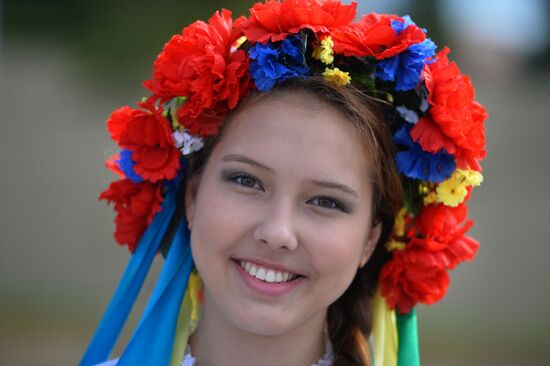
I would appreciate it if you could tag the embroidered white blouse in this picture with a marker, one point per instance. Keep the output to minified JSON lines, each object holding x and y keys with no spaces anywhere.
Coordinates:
{"x":189,"y":360}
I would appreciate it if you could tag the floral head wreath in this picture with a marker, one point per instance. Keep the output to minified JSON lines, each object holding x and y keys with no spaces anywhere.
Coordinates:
{"x":204,"y":72}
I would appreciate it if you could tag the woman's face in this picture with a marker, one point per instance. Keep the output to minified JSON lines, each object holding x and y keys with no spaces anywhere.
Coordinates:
{"x":281,"y":215}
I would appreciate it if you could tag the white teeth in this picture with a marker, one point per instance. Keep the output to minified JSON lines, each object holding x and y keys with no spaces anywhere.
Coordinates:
{"x":260,"y":274}
{"x":267,"y":275}
{"x":270,"y":276}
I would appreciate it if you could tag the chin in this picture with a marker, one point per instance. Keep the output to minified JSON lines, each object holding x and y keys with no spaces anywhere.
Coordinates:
{"x":264,"y":324}
{"x":275,"y":322}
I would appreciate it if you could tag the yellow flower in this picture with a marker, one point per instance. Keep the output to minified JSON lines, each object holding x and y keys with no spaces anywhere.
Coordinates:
{"x":453,"y":191}
{"x":423,"y":188}
{"x":324,"y":51}
{"x":395,"y":245}
{"x":337,"y":76}
{"x":472,"y":177}
{"x":430,"y":198}
{"x":427,"y":191}
{"x":238,"y":43}
{"x":175,"y":122}
{"x":399,"y":224}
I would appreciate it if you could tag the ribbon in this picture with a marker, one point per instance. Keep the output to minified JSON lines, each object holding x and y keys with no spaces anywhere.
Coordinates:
{"x":408,"y":354}
{"x":384,"y":332}
{"x":153,"y":340}
{"x":130,"y":284}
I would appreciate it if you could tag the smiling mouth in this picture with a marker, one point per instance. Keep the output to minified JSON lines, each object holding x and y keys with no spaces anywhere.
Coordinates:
{"x":265,"y":274}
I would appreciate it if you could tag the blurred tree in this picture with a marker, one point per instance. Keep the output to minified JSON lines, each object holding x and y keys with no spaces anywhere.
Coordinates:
{"x":114,"y":41}
{"x":542,"y":60}
{"x":426,"y":14}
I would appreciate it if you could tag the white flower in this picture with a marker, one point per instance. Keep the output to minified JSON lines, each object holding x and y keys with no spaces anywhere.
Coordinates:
{"x":187,"y":143}
{"x":424,"y":105}
{"x":408,"y":114}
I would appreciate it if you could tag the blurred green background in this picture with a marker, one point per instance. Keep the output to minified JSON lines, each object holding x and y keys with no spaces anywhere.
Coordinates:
{"x":65,"y":65}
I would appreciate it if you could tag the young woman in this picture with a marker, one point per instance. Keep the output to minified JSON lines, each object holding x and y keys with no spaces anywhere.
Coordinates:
{"x":313,"y":169}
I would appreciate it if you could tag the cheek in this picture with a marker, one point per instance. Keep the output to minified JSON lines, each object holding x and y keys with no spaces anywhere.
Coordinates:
{"x":211,"y":238}
{"x":219,"y":222}
{"x":210,"y":226}
{"x":337,"y":251}
{"x":219,"y":206}
{"x":336,"y":271}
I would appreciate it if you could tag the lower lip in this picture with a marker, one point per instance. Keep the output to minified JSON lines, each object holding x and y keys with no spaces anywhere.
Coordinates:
{"x":266,"y":288}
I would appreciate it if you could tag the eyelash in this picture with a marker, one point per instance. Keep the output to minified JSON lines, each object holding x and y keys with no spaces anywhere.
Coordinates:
{"x":334,"y":204}
{"x":237,"y":178}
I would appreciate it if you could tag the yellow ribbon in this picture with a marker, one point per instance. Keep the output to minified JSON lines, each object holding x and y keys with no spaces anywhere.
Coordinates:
{"x":384,"y":332}
{"x":188,"y":318}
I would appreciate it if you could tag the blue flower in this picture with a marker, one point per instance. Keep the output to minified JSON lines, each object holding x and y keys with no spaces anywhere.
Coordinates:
{"x":386,"y":69}
{"x":272,"y":64}
{"x":126,"y":164}
{"x":399,"y":26}
{"x":414,"y":162}
{"x":291,"y":49}
{"x":405,"y":68}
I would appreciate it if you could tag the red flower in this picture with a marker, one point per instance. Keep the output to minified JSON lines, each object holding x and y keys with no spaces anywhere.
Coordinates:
{"x":136,"y":204}
{"x":199,"y":64}
{"x":413,"y":276}
{"x":429,"y":135}
{"x":275,"y":20}
{"x":455,"y":120}
{"x":436,"y":243}
{"x":112,"y":164}
{"x":441,"y":228}
{"x":116,"y":124}
{"x":374,"y":36}
{"x":149,"y":135}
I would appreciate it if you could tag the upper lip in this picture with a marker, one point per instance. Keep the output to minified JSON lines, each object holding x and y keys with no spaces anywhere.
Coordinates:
{"x":270,"y":265}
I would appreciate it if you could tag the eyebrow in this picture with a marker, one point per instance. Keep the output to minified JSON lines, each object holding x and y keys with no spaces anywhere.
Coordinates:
{"x":320,"y":183}
{"x":246,"y":160}
{"x":327,"y":184}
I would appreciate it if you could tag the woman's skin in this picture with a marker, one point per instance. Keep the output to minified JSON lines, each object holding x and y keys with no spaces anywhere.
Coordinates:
{"x":287,"y":188}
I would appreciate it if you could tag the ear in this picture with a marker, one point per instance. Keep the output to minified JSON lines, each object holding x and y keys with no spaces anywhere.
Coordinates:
{"x":370,"y":244}
{"x":191,"y":198}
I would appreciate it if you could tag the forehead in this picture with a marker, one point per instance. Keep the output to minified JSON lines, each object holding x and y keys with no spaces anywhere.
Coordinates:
{"x":297,"y":132}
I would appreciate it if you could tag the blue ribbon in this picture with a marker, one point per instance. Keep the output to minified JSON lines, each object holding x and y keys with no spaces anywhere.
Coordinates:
{"x":153,"y":340}
{"x":125,"y":295}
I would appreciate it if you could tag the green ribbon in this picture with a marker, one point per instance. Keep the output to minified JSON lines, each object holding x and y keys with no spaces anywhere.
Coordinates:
{"x":407,"y":330}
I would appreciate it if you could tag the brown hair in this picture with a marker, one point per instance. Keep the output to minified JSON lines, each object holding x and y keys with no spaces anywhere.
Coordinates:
{"x":349,"y":318}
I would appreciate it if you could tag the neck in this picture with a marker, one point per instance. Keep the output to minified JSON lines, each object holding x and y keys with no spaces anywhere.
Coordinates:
{"x":217,"y":342}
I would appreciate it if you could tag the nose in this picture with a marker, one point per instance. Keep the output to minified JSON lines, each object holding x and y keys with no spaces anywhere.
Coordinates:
{"x":276,"y":228}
